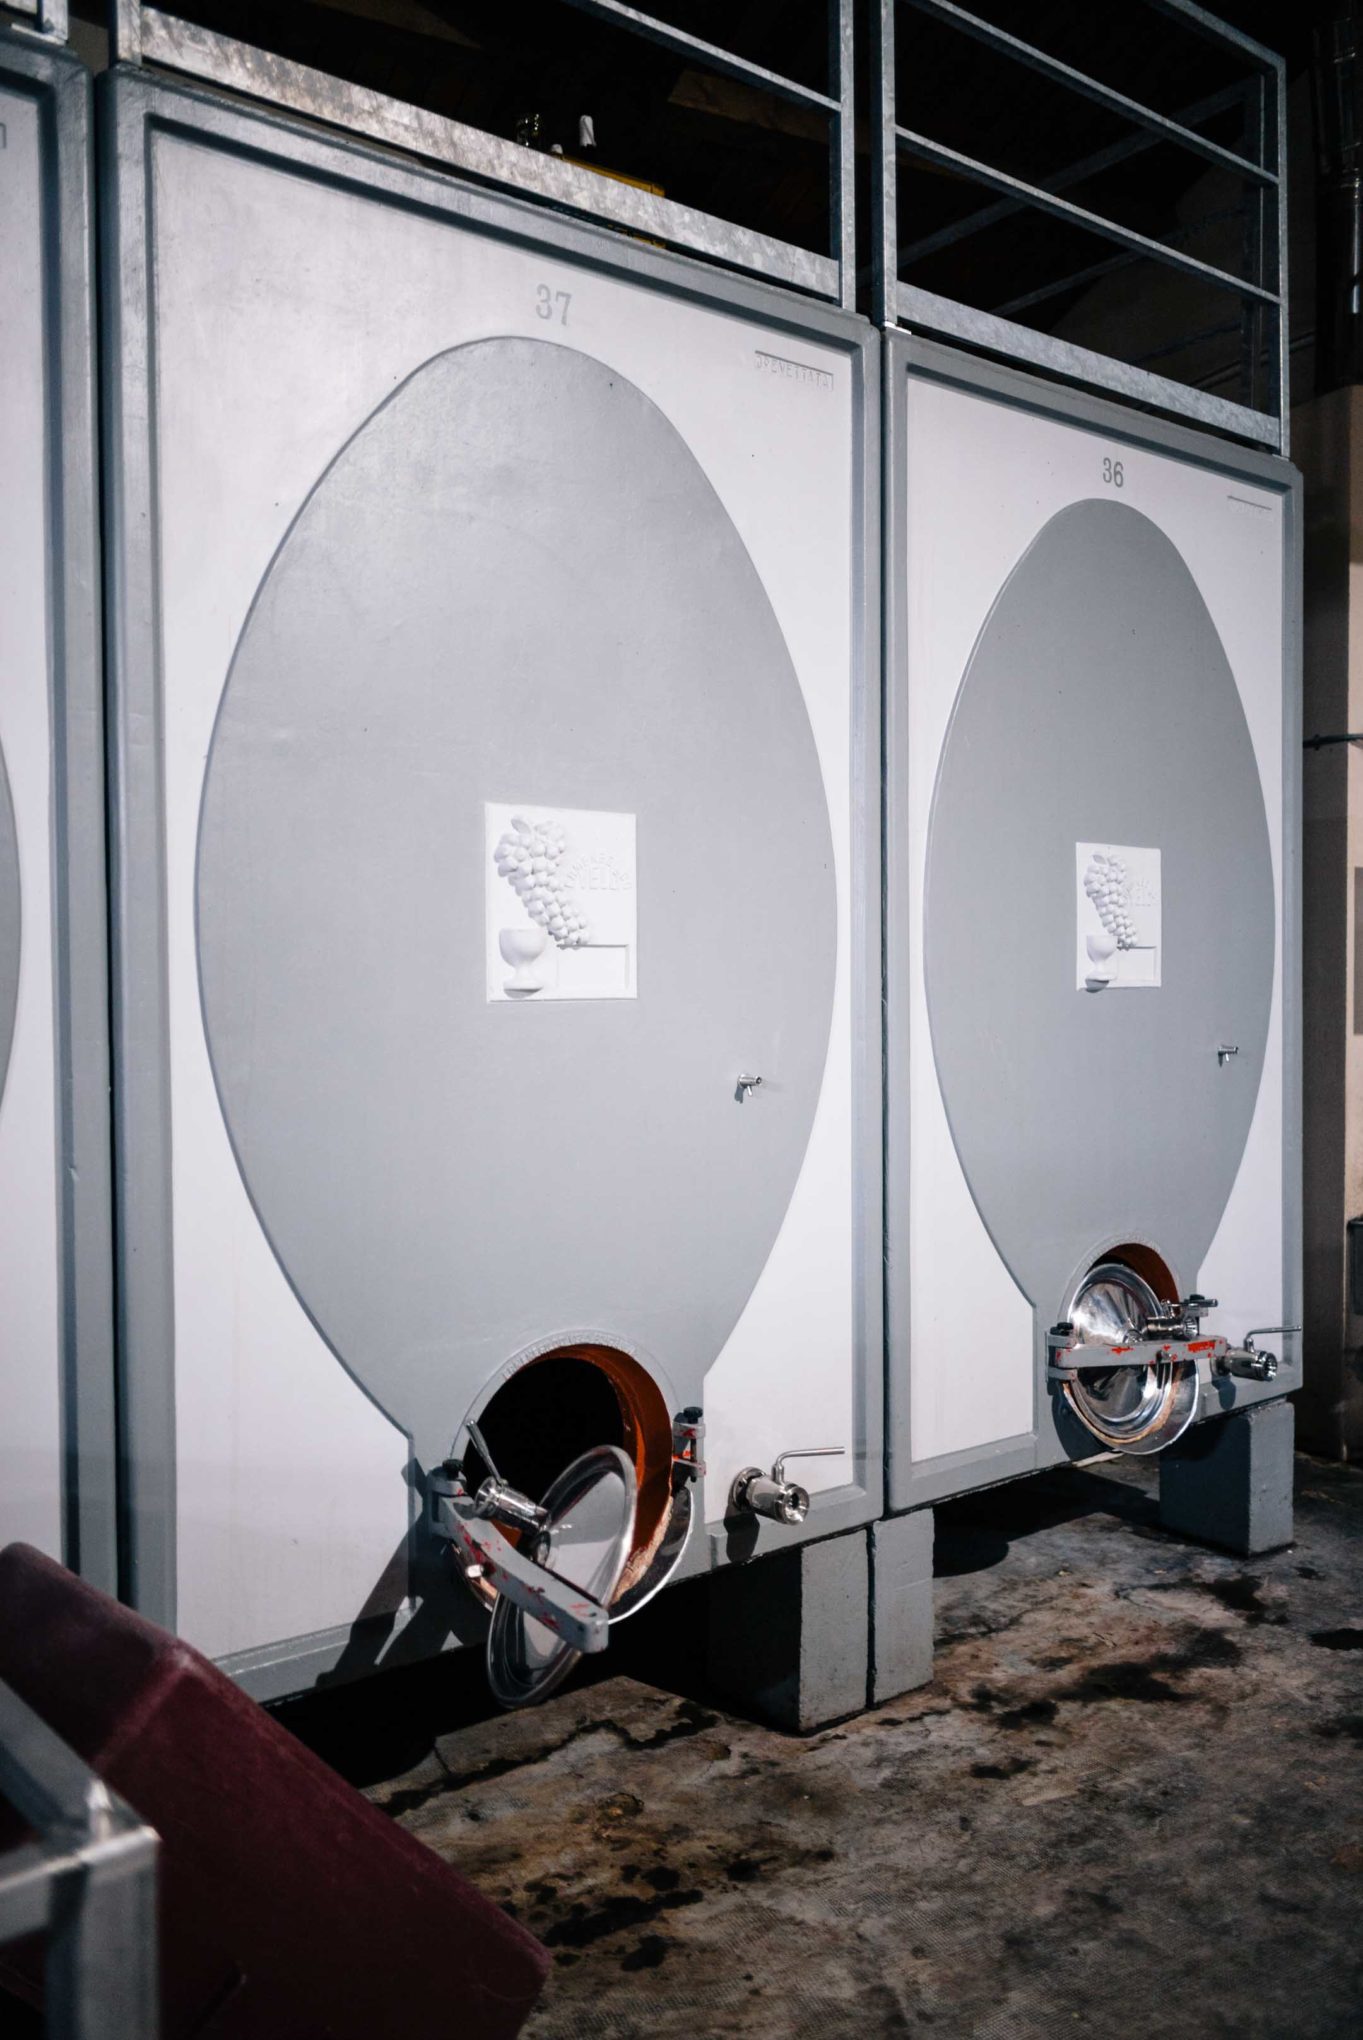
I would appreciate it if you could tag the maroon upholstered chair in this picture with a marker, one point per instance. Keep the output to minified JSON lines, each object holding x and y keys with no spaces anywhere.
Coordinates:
{"x":289,"y":1906}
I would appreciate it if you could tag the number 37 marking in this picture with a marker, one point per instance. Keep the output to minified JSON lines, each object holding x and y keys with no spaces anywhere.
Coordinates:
{"x":1113,"y":474}
{"x":552,"y":304}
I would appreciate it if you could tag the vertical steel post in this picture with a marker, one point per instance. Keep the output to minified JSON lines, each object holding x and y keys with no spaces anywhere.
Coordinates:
{"x":125,"y":31}
{"x":54,"y":19}
{"x":1254,"y":251}
{"x":842,"y":208}
{"x":102,"y":1964}
{"x":90,"y":1882}
{"x":1283,"y":350}
{"x":884,"y":173}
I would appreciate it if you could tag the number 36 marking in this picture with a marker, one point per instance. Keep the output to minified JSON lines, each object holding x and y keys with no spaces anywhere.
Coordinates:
{"x":1113,"y":474}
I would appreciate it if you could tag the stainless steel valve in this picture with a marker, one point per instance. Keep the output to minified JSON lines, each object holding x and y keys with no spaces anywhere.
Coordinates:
{"x":1247,"y":1362}
{"x":771,"y":1494}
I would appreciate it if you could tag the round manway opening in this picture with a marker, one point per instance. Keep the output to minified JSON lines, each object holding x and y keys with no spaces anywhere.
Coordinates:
{"x":1145,"y":1399}
{"x":555,"y":1408}
{"x":1150,"y":1266}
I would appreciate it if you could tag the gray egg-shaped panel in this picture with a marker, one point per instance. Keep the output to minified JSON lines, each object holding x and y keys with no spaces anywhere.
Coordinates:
{"x":514,"y":585}
{"x":10,"y":923}
{"x":1098,"y":707}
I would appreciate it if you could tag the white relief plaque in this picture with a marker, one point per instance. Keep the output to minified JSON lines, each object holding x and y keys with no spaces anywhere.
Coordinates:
{"x":1117,"y":903}
{"x":562,"y":903}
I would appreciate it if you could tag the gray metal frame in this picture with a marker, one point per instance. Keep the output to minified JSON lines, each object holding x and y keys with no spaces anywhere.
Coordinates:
{"x":908,"y":1485}
{"x":1264,"y":174}
{"x":61,"y":87}
{"x":139,"y":33}
{"x":88,"y":1883}
{"x":51,"y":18}
{"x":133,"y":105}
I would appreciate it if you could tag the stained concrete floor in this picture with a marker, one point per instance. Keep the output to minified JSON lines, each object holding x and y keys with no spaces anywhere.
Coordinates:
{"x":1130,"y":1802}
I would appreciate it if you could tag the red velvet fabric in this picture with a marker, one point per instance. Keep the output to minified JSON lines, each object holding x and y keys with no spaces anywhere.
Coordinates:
{"x":289,"y":1906}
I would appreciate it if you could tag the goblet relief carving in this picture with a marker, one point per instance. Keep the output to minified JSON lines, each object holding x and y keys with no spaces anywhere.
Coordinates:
{"x":1106,"y":884}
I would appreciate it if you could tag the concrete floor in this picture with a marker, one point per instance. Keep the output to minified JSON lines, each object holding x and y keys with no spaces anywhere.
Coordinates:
{"x":1129,"y":1804}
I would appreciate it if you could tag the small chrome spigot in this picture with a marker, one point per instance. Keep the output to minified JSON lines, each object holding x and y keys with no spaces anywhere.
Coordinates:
{"x":745,"y":1088}
{"x":1180,"y":1319}
{"x":1246,"y":1362}
{"x":771,"y":1494}
{"x":499,"y":1501}
{"x":1251,"y":1366}
{"x":496,"y":1500}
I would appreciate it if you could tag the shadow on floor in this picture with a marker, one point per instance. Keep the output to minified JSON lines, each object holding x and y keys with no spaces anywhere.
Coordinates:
{"x":386,"y":1723}
{"x":978,"y":1530}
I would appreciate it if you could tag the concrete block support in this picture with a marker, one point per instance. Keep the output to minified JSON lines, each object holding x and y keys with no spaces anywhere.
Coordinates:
{"x":1229,"y":1482}
{"x":901,"y":1604}
{"x":788,"y":1634}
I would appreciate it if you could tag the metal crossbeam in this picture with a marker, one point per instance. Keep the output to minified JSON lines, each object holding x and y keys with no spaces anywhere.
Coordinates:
{"x":1077,"y":173}
{"x":52,"y":18}
{"x":1075,"y":215}
{"x":1217,"y":31}
{"x":1092,"y":271}
{"x":1159,"y":125}
{"x":707,"y":53}
{"x":202,"y":53}
{"x":162,"y":37}
{"x":928,"y":313}
{"x":1220,"y":331}
{"x":1258,"y":163}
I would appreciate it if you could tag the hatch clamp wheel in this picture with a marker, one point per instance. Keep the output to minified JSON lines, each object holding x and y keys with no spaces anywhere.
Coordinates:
{"x":483,"y":1552}
{"x":1069,"y":1354}
{"x":553,"y":1591}
{"x":1129,"y":1365}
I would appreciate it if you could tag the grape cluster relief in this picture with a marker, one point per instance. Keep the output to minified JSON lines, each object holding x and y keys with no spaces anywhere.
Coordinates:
{"x":1107,"y":885}
{"x":528,"y":857}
